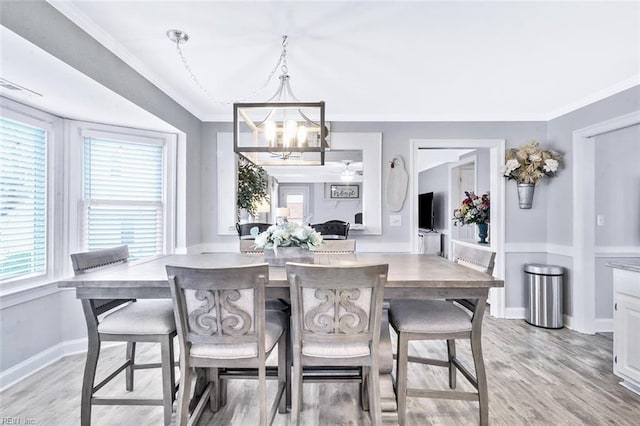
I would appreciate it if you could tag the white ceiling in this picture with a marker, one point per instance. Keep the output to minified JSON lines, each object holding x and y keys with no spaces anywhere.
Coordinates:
{"x":372,"y":60}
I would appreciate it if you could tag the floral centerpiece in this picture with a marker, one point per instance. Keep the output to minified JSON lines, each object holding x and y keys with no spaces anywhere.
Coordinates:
{"x":530,"y":163}
{"x":475,"y":209}
{"x":527,"y":165}
{"x":288,"y":242}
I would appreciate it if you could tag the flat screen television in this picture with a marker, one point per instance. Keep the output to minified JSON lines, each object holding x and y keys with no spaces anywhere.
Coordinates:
{"x":425,"y":211}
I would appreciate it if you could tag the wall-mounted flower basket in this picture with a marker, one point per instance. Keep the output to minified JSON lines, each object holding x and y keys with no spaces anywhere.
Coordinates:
{"x":527,"y":165}
{"x":525,"y":195}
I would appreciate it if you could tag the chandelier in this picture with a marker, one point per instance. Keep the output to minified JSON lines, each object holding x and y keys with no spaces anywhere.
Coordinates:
{"x":282,"y":130}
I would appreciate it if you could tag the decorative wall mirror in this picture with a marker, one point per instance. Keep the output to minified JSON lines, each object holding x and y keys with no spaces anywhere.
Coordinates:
{"x":360,"y":154}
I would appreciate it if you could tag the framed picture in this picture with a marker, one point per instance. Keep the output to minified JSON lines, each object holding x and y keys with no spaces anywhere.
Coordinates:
{"x":345,"y":191}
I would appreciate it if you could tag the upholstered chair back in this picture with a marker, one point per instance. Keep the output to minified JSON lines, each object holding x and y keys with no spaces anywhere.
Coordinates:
{"x":244,"y":230}
{"x":96,"y":259}
{"x":220,"y":306}
{"x":336,"y":307}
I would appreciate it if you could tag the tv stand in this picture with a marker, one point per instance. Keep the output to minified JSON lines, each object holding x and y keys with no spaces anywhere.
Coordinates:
{"x":430,"y":241}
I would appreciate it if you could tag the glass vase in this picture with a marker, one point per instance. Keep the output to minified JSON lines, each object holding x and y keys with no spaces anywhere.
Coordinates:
{"x":288,"y":254}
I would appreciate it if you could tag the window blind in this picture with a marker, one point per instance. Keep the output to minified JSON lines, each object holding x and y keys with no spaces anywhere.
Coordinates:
{"x":23,"y":200}
{"x":123,"y":194}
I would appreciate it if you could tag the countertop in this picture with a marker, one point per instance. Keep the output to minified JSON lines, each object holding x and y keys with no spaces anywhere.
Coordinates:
{"x":628,"y":266}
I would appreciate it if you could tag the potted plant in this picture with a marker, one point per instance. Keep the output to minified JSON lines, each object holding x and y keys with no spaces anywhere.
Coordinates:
{"x":252,"y":187}
{"x":475,"y":209}
{"x":527,"y":165}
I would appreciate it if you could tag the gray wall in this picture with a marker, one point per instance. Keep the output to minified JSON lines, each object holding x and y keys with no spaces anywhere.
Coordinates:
{"x":617,"y":187}
{"x":559,"y":191}
{"x":325,"y":208}
{"x":617,"y":199}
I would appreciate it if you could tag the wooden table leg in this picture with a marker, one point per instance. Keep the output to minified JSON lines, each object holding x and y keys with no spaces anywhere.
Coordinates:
{"x":93,"y":352}
{"x":387,"y":393}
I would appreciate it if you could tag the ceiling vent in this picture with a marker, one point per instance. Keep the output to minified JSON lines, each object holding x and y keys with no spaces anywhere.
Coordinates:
{"x":9,"y":85}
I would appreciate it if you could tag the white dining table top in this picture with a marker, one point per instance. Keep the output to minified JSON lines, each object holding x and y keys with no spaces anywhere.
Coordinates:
{"x":405,"y":270}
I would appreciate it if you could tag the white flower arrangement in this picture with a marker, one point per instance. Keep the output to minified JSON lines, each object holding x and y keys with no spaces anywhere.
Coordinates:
{"x":288,"y":235}
{"x":530,"y":163}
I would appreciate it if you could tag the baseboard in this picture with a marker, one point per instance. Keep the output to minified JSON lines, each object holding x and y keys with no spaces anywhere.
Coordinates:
{"x":604,"y":325}
{"x":26,"y":368}
{"x":514,"y":313}
{"x":568,"y":321}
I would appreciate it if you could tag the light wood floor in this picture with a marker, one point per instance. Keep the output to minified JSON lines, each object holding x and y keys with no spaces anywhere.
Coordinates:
{"x":536,"y":377}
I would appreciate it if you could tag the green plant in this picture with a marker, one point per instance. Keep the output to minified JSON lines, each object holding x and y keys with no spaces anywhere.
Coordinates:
{"x":252,"y":186}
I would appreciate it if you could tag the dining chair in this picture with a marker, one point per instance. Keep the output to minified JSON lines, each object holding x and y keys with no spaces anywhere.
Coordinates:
{"x":222,"y":323}
{"x":336,"y":320}
{"x":415,"y":320}
{"x":244,"y":229}
{"x":336,"y":247}
{"x":136,"y":321}
{"x":333,"y":229}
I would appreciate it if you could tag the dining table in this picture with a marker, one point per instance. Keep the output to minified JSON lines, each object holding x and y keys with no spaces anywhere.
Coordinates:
{"x":414,"y":276}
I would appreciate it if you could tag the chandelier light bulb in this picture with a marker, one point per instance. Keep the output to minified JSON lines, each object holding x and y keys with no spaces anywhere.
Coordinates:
{"x":290,"y":132}
{"x":302,"y":135}
{"x":270,"y":132}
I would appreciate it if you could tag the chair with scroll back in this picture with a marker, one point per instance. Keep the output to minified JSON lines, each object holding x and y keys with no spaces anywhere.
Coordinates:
{"x":336,"y":320}
{"x":222,"y":323}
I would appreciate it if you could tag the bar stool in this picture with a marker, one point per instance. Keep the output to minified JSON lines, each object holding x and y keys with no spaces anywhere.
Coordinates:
{"x":336,"y":319}
{"x":443,"y":320}
{"x":138,"y":321}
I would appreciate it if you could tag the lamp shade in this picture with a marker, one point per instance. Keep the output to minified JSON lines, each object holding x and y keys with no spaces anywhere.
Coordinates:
{"x":282,"y":212}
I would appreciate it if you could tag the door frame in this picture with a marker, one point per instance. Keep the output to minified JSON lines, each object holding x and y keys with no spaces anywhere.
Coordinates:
{"x":496,"y":148}
{"x":584,"y":219}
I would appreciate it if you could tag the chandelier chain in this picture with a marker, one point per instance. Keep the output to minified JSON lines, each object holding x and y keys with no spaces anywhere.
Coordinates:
{"x":282,"y":60}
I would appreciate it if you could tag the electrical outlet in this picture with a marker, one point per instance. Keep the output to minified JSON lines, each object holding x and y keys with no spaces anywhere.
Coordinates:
{"x":600,"y":220}
{"x":395,"y":220}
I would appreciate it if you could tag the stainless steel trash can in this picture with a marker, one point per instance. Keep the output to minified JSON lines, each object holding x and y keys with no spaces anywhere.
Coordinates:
{"x":543,"y":289}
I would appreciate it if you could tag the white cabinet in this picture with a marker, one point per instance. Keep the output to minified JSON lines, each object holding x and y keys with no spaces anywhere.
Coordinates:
{"x":626,"y":327}
{"x":429,"y":242}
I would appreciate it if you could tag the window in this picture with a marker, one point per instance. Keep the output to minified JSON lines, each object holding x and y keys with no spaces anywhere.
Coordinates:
{"x":23,"y":200}
{"x":123,"y":195}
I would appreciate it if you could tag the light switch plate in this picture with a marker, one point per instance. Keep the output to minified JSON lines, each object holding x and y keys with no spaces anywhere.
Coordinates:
{"x":395,"y":220}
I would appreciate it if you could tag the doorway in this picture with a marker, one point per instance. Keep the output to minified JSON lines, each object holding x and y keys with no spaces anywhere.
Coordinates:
{"x":584,"y":216}
{"x":496,"y":149}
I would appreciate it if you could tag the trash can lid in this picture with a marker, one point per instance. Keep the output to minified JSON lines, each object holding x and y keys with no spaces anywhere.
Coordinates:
{"x":539,"y":268}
